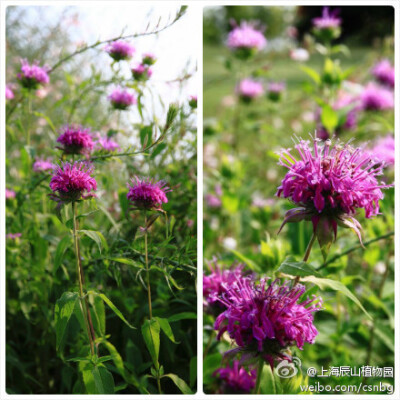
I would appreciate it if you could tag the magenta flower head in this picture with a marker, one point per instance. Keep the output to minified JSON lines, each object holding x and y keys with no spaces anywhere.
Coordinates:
{"x":14,"y":236}
{"x":245,"y":40}
{"x":146,"y":194}
{"x":193,"y":101}
{"x":106,"y":144}
{"x":383,"y":149}
{"x":383,"y":72}
{"x":76,"y":140}
{"x":375,"y":97}
{"x":327,"y":27}
{"x":120,"y":50}
{"x":10,"y":194}
{"x":149,"y":59}
{"x":42,"y":165}
{"x":9,"y":93}
{"x":329,"y":184}
{"x":122,"y":99}
{"x":33,"y":76}
{"x":72,"y":182}
{"x":249,"y":89}
{"x":267,"y":319}
{"x":217,"y":283}
{"x":275,"y":90}
{"x":141,"y":72}
{"x":236,"y":379}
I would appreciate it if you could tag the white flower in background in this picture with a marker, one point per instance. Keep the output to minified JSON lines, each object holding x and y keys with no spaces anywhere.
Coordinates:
{"x":230,"y":243}
{"x":299,"y":54}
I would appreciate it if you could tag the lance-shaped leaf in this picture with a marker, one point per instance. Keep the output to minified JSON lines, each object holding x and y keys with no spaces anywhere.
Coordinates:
{"x":151,"y":336}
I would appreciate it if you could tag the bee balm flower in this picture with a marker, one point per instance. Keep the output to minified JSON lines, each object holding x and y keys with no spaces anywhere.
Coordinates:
{"x":42,"y":166}
{"x":9,"y":93}
{"x":120,"y":50}
{"x":375,"y":97}
{"x":267,"y":319}
{"x":245,"y":40}
{"x":10,"y":194}
{"x":76,"y":140}
{"x":72,"y":182}
{"x":122,"y":99}
{"x":249,"y":90}
{"x":329,"y":183}
{"x":193,"y":101}
{"x":384,"y":72}
{"x":327,"y":27}
{"x":141,"y":72}
{"x":147,"y":194}
{"x":33,"y":76}
{"x":149,"y":59}
{"x":275,"y":90}
{"x":236,"y":379}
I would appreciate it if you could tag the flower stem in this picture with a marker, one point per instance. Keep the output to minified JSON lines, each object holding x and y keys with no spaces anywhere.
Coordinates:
{"x":84,"y":304}
{"x":146,"y":255}
{"x":259,"y":373}
{"x":307,"y":254}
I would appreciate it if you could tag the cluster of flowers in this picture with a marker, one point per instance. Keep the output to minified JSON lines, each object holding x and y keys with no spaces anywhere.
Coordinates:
{"x":74,"y":182}
{"x":262,"y":317}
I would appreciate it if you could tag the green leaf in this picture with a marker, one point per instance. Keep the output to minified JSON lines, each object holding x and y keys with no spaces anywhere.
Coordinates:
{"x":158,"y":149}
{"x":146,"y":135}
{"x":183,"y":315}
{"x":312,"y":73}
{"x":97,"y":237}
{"x":250,"y":263}
{"x":151,"y":336}
{"x":62,"y":246}
{"x":180,"y":383}
{"x":78,"y":359}
{"x":329,"y":118}
{"x":193,"y":371}
{"x":100,"y":316}
{"x":112,"y":306}
{"x":166,"y":328}
{"x":66,"y":306}
{"x":323,"y":283}
{"x":126,"y":261}
{"x":210,"y":364}
{"x":103,"y":380}
{"x":297,"y":268}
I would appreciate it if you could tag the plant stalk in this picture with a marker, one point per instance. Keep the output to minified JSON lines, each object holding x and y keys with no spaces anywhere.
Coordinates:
{"x":146,"y":255}
{"x":307,"y":254}
{"x":84,"y":304}
{"x":259,"y":373}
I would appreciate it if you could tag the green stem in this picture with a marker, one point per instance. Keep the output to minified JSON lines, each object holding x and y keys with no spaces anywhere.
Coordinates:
{"x":28,"y":139}
{"x":259,"y":373}
{"x":146,"y":255}
{"x":159,"y":385}
{"x":84,"y":305}
{"x":358,"y":246}
{"x":307,"y":254}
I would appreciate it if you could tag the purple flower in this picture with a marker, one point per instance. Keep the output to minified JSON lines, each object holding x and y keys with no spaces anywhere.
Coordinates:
{"x":327,"y":20}
{"x":122,"y":99}
{"x":217,"y":283}
{"x":106,"y":144}
{"x":213,"y":201}
{"x":147,"y":194}
{"x":330,"y":183}
{"x":275,"y":89}
{"x":14,"y":236}
{"x":383,"y":72}
{"x":42,"y":165}
{"x":383,"y":149}
{"x":9,"y":93}
{"x":10,"y":194}
{"x":76,"y":140}
{"x":141,"y":72}
{"x":249,"y":90}
{"x":375,"y":97}
{"x":72,"y":181}
{"x":120,"y":50}
{"x":149,"y":59}
{"x":327,"y":27}
{"x":193,"y":101}
{"x":246,"y":40}
{"x":236,"y":379}
{"x":267,"y":318}
{"x":32,"y":76}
